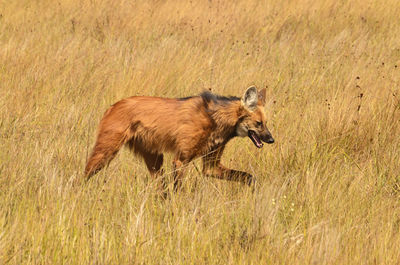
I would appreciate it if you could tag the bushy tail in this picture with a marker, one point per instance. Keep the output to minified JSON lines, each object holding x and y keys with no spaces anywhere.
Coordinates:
{"x":106,"y":147}
{"x":114,"y":131}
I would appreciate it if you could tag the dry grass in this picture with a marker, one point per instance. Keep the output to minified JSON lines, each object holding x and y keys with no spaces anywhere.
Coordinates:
{"x":328,"y":189}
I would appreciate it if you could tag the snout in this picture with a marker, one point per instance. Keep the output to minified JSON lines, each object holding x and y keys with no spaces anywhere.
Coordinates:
{"x":270,"y":140}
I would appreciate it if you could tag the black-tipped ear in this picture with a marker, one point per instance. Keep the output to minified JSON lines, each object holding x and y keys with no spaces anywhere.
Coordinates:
{"x":250,"y":98}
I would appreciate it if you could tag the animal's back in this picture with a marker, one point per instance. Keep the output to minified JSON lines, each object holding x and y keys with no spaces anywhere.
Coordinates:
{"x":157,"y":124}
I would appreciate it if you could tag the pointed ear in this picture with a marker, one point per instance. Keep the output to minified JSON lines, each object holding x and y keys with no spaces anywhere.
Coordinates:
{"x":262,"y":96}
{"x":250,"y":98}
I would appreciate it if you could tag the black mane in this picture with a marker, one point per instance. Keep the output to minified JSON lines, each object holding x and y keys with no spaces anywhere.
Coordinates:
{"x":208,"y":97}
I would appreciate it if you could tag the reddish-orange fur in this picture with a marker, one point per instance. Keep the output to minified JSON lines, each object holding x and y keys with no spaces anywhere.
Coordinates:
{"x":189,"y":128}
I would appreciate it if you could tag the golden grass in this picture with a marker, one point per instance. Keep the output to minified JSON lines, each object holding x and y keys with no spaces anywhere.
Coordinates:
{"x":328,"y":190}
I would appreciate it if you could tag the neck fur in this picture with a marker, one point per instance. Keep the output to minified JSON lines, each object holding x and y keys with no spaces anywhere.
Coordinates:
{"x":225,"y":117}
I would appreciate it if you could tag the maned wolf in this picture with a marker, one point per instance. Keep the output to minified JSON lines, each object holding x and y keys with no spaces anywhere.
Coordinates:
{"x":198,"y":126}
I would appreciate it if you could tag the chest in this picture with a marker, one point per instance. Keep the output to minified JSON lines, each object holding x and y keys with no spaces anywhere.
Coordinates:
{"x":217,"y":140}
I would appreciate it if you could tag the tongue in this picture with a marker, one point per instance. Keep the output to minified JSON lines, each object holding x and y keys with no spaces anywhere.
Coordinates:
{"x":257,"y":142}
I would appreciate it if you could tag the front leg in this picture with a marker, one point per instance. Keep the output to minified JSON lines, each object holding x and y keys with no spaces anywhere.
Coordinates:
{"x":222,"y":172}
{"x":212,"y":167}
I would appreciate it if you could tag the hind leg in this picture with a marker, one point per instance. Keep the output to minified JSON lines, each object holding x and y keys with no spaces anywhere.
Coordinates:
{"x":180,"y":165}
{"x":154,"y":163}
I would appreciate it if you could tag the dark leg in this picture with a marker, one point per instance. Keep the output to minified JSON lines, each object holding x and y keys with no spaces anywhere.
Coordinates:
{"x":179,"y":169}
{"x":154,"y":163}
{"x":212,"y":167}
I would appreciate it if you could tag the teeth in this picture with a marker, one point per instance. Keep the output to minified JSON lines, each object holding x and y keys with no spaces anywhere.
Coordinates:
{"x":257,"y":142}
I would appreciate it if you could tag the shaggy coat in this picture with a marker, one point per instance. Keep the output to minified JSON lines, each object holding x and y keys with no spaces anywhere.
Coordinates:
{"x":191,"y":127}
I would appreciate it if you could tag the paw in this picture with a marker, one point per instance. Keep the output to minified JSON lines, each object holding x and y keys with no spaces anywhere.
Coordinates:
{"x":251,"y":180}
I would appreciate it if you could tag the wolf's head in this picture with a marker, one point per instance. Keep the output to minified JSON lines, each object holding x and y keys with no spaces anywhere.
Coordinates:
{"x":252,"y":120}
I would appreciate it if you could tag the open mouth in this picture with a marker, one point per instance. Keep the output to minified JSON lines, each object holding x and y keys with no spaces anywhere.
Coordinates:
{"x":256,"y":140}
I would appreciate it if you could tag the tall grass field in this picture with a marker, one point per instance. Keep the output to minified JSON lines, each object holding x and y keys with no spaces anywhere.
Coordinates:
{"x":328,"y":190}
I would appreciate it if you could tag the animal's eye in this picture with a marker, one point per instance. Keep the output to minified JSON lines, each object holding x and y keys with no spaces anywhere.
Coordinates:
{"x":259,"y":124}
